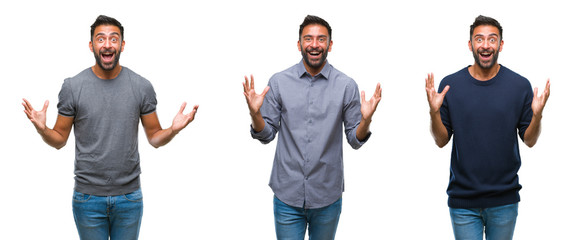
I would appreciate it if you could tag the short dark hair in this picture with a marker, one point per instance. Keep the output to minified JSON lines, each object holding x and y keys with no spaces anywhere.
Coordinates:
{"x":483,"y":20}
{"x":310,"y":19}
{"x":105,"y":20}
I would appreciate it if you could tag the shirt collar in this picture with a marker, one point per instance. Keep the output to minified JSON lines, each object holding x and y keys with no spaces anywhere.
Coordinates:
{"x":324,"y":73}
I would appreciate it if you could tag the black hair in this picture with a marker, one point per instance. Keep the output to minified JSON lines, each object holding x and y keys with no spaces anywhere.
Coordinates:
{"x":483,"y":20}
{"x":105,"y":20}
{"x":310,"y":19}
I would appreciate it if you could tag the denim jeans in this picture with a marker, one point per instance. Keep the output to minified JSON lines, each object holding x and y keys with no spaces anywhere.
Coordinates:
{"x":498,"y":222}
{"x":291,"y":222}
{"x":111,"y":217}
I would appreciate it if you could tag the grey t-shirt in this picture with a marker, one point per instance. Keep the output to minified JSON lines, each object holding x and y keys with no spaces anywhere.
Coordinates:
{"x":106,"y":121}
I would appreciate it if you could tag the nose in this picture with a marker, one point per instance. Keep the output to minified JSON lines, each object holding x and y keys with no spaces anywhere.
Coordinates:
{"x":107,"y":43}
{"x":487,"y":44}
{"x":315,"y":43}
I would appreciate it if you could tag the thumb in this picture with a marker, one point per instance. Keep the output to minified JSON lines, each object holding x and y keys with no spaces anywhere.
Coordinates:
{"x":445,"y":90}
{"x":183,"y":107}
{"x":266,"y":89}
{"x":46,"y":103}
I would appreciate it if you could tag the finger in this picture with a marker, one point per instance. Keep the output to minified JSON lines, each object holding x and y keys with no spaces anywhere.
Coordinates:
{"x":430,"y":82}
{"x":377,"y":93}
{"x":26,"y":109}
{"x":246,"y":84}
{"x":362,"y":96}
{"x":46,"y":103}
{"x":193,"y":112}
{"x":244,"y":88}
{"x":27,"y":105}
{"x":445,"y":90}
{"x":182,"y":107}
{"x":28,"y":114}
{"x":547,"y":88}
{"x":251,"y":81}
{"x":265,"y":91}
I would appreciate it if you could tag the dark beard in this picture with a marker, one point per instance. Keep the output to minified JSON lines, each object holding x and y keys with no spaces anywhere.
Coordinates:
{"x":320,"y":63}
{"x":113,"y":65}
{"x":491,"y":63}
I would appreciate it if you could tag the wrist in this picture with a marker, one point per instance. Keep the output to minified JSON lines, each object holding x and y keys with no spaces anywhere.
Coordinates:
{"x":174,"y":132}
{"x":42,"y":130}
{"x":434,"y":112}
{"x":366,"y":120}
{"x":255,"y":114}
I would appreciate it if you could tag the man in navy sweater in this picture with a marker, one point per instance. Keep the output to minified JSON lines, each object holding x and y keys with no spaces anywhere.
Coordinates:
{"x":486,"y":107}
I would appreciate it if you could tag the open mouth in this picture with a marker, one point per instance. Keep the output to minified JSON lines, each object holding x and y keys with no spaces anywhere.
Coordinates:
{"x":107,"y":56}
{"x":315,"y":53}
{"x":486,"y":55}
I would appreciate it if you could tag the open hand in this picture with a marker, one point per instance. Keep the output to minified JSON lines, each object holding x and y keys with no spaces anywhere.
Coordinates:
{"x":369,"y":107}
{"x":538,"y":102}
{"x":38,"y":118}
{"x":253,"y":100}
{"x":435,"y":99}
{"x":182,"y":120}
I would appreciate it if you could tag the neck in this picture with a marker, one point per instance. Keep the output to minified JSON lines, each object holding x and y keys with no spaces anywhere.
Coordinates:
{"x":106,"y":74}
{"x":314,"y":71}
{"x":484,"y":74}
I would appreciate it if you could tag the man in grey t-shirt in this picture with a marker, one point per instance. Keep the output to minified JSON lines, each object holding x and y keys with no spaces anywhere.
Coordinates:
{"x":104,"y":104}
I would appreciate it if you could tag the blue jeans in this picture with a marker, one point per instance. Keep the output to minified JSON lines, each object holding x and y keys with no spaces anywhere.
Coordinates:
{"x":102,"y":218}
{"x":291,"y":222}
{"x":498,"y":222}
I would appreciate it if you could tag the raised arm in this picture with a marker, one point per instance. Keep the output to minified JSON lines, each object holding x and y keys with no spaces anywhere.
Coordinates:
{"x":538,"y":102}
{"x":56,"y":137}
{"x":158,"y":136}
{"x":367,"y":110}
{"x":254,"y":102}
{"x":438,"y":130}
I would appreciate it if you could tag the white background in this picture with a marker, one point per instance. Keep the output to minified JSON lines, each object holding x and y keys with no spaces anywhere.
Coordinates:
{"x":210,"y":182}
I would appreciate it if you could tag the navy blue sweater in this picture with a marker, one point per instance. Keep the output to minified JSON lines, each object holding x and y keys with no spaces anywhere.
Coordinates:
{"x":484,"y":118}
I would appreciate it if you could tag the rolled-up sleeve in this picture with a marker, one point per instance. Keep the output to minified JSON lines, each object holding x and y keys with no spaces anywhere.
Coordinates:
{"x":352,"y":115}
{"x":271,"y":112}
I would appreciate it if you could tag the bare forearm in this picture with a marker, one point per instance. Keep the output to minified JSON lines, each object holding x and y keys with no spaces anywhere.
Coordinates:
{"x":257,"y":122}
{"x":162,"y":137}
{"x":533,"y":131}
{"x":53,"y":138}
{"x":363,"y":129}
{"x":438,"y":130}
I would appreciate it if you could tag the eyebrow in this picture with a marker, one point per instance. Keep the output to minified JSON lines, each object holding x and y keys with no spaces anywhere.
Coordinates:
{"x":482,"y":35}
{"x":103,"y":34}
{"x":308,"y":35}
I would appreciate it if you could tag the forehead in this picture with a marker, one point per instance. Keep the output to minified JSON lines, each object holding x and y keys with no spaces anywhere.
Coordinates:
{"x":486,"y":30}
{"x":315,"y":30}
{"x":107,"y":30}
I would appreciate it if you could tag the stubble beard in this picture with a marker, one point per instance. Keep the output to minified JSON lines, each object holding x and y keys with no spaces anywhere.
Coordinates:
{"x":490,"y":64}
{"x":320,"y":63}
{"x":107,"y":67}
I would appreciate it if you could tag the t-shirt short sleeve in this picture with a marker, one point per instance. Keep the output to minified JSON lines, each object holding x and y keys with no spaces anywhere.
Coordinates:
{"x":149,"y":99}
{"x":66,"y":106}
